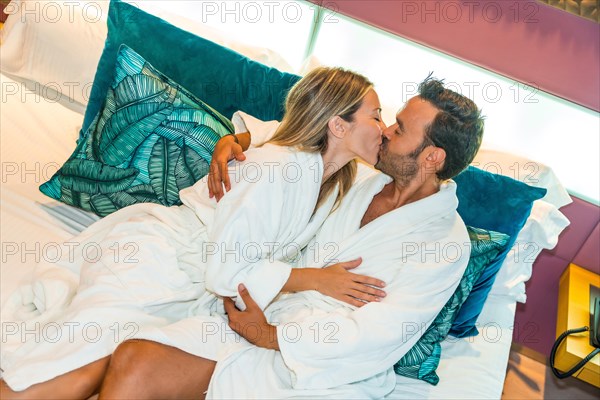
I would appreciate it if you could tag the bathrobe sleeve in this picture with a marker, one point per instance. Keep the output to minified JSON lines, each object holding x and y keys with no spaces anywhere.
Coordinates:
{"x":248,"y":226}
{"x":329,"y":349}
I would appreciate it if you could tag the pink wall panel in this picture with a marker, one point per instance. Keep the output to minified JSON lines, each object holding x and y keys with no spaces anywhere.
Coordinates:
{"x":535,"y":321}
{"x":588,"y":255}
{"x":584,"y":217}
{"x":525,"y":40}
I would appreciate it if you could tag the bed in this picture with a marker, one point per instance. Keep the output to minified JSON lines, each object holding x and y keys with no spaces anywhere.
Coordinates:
{"x":38,"y":133}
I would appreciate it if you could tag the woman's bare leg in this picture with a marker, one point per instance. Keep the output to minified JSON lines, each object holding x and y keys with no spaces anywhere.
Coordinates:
{"x":143,"y":369}
{"x":78,"y":384}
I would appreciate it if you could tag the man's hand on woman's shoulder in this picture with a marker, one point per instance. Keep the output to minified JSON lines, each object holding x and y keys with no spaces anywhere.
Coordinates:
{"x":227,"y":148}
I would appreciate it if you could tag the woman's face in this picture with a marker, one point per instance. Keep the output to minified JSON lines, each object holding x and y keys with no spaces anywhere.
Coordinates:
{"x":364,"y":137}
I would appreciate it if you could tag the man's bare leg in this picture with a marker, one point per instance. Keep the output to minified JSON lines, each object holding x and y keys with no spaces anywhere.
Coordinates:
{"x":143,"y":369}
{"x":78,"y":384}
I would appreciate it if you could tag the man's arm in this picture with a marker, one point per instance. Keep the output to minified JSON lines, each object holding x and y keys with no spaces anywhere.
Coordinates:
{"x":229,"y":147}
{"x":250,"y":132}
{"x":263,"y":334}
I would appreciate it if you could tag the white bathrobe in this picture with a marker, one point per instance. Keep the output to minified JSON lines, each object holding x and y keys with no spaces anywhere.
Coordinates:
{"x":328,"y":348}
{"x":150,"y":264}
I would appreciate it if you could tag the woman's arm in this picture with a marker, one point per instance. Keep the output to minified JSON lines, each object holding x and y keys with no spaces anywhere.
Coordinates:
{"x":335,"y":281}
{"x":338,"y":282}
{"x":248,"y":219}
{"x":244,"y":234}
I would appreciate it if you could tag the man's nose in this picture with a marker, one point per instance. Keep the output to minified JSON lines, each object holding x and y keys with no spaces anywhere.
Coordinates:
{"x":387,"y":132}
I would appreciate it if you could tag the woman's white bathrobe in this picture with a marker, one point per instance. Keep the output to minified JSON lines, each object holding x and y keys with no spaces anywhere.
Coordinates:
{"x":328,"y":348}
{"x":150,"y":263}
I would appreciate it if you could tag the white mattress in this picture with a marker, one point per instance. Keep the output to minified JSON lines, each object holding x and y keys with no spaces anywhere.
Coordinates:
{"x":37,"y":136}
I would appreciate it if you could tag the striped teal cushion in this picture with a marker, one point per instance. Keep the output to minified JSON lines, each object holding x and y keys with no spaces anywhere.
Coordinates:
{"x":422,"y":359}
{"x":150,"y":139}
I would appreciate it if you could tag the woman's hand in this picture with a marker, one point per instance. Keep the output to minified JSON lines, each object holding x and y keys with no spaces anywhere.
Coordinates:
{"x":225,"y":150}
{"x":338,"y":282}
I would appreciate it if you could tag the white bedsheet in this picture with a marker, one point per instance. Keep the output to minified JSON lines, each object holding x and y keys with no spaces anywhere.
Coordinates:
{"x":37,"y":136}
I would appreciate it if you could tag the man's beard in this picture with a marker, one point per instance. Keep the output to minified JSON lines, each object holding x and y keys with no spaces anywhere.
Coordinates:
{"x":401,"y":167}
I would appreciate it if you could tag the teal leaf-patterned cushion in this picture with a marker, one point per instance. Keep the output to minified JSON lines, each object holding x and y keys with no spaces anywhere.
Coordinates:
{"x":150,"y":139}
{"x":421,"y":361}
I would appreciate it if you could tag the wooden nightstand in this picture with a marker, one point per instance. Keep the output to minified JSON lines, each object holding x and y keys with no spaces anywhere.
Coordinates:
{"x":574,"y":312}
{"x":3,"y":16}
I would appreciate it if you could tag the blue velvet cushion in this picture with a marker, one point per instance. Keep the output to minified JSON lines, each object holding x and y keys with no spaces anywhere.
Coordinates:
{"x":226,"y":80}
{"x":151,"y":139}
{"x":421,"y":361}
{"x":493,"y":202}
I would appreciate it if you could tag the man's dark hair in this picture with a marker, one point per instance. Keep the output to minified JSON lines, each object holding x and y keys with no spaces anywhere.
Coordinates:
{"x":457,"y":128}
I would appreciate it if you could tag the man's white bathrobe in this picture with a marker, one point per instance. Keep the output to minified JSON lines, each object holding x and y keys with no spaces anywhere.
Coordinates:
{"x":151,"y":261}
{"x":329,"y":348}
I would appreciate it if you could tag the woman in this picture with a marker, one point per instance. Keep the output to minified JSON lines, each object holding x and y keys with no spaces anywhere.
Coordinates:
{"x":285,"y":190}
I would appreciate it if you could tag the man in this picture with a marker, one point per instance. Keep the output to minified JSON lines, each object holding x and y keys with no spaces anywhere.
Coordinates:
{"x":305,"y":344}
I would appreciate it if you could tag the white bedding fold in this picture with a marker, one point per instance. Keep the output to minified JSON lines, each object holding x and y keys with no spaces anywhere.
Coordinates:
{"x":147,"y":265}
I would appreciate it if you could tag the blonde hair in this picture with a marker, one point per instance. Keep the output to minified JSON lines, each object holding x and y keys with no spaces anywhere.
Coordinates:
{"x":321,"y":95}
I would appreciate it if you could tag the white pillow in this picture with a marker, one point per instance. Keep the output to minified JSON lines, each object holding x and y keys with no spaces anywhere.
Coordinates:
{"x":260,"y":131}
{"x":541,"y":229}
{"x":540,"y":232}
{"x":309,"y":64}
{"x":58,"y":44}
{"x":525,"y":170}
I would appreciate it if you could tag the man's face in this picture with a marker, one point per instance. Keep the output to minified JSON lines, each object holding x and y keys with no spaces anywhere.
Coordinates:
{"x":402,"y":141}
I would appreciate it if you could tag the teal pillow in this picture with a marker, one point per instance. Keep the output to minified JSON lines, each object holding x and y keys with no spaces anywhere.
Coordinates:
{"x":151,"y":139}
{"x":226,"y":80}
{"x":496,"y":203}
{"x":423,"y":358}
